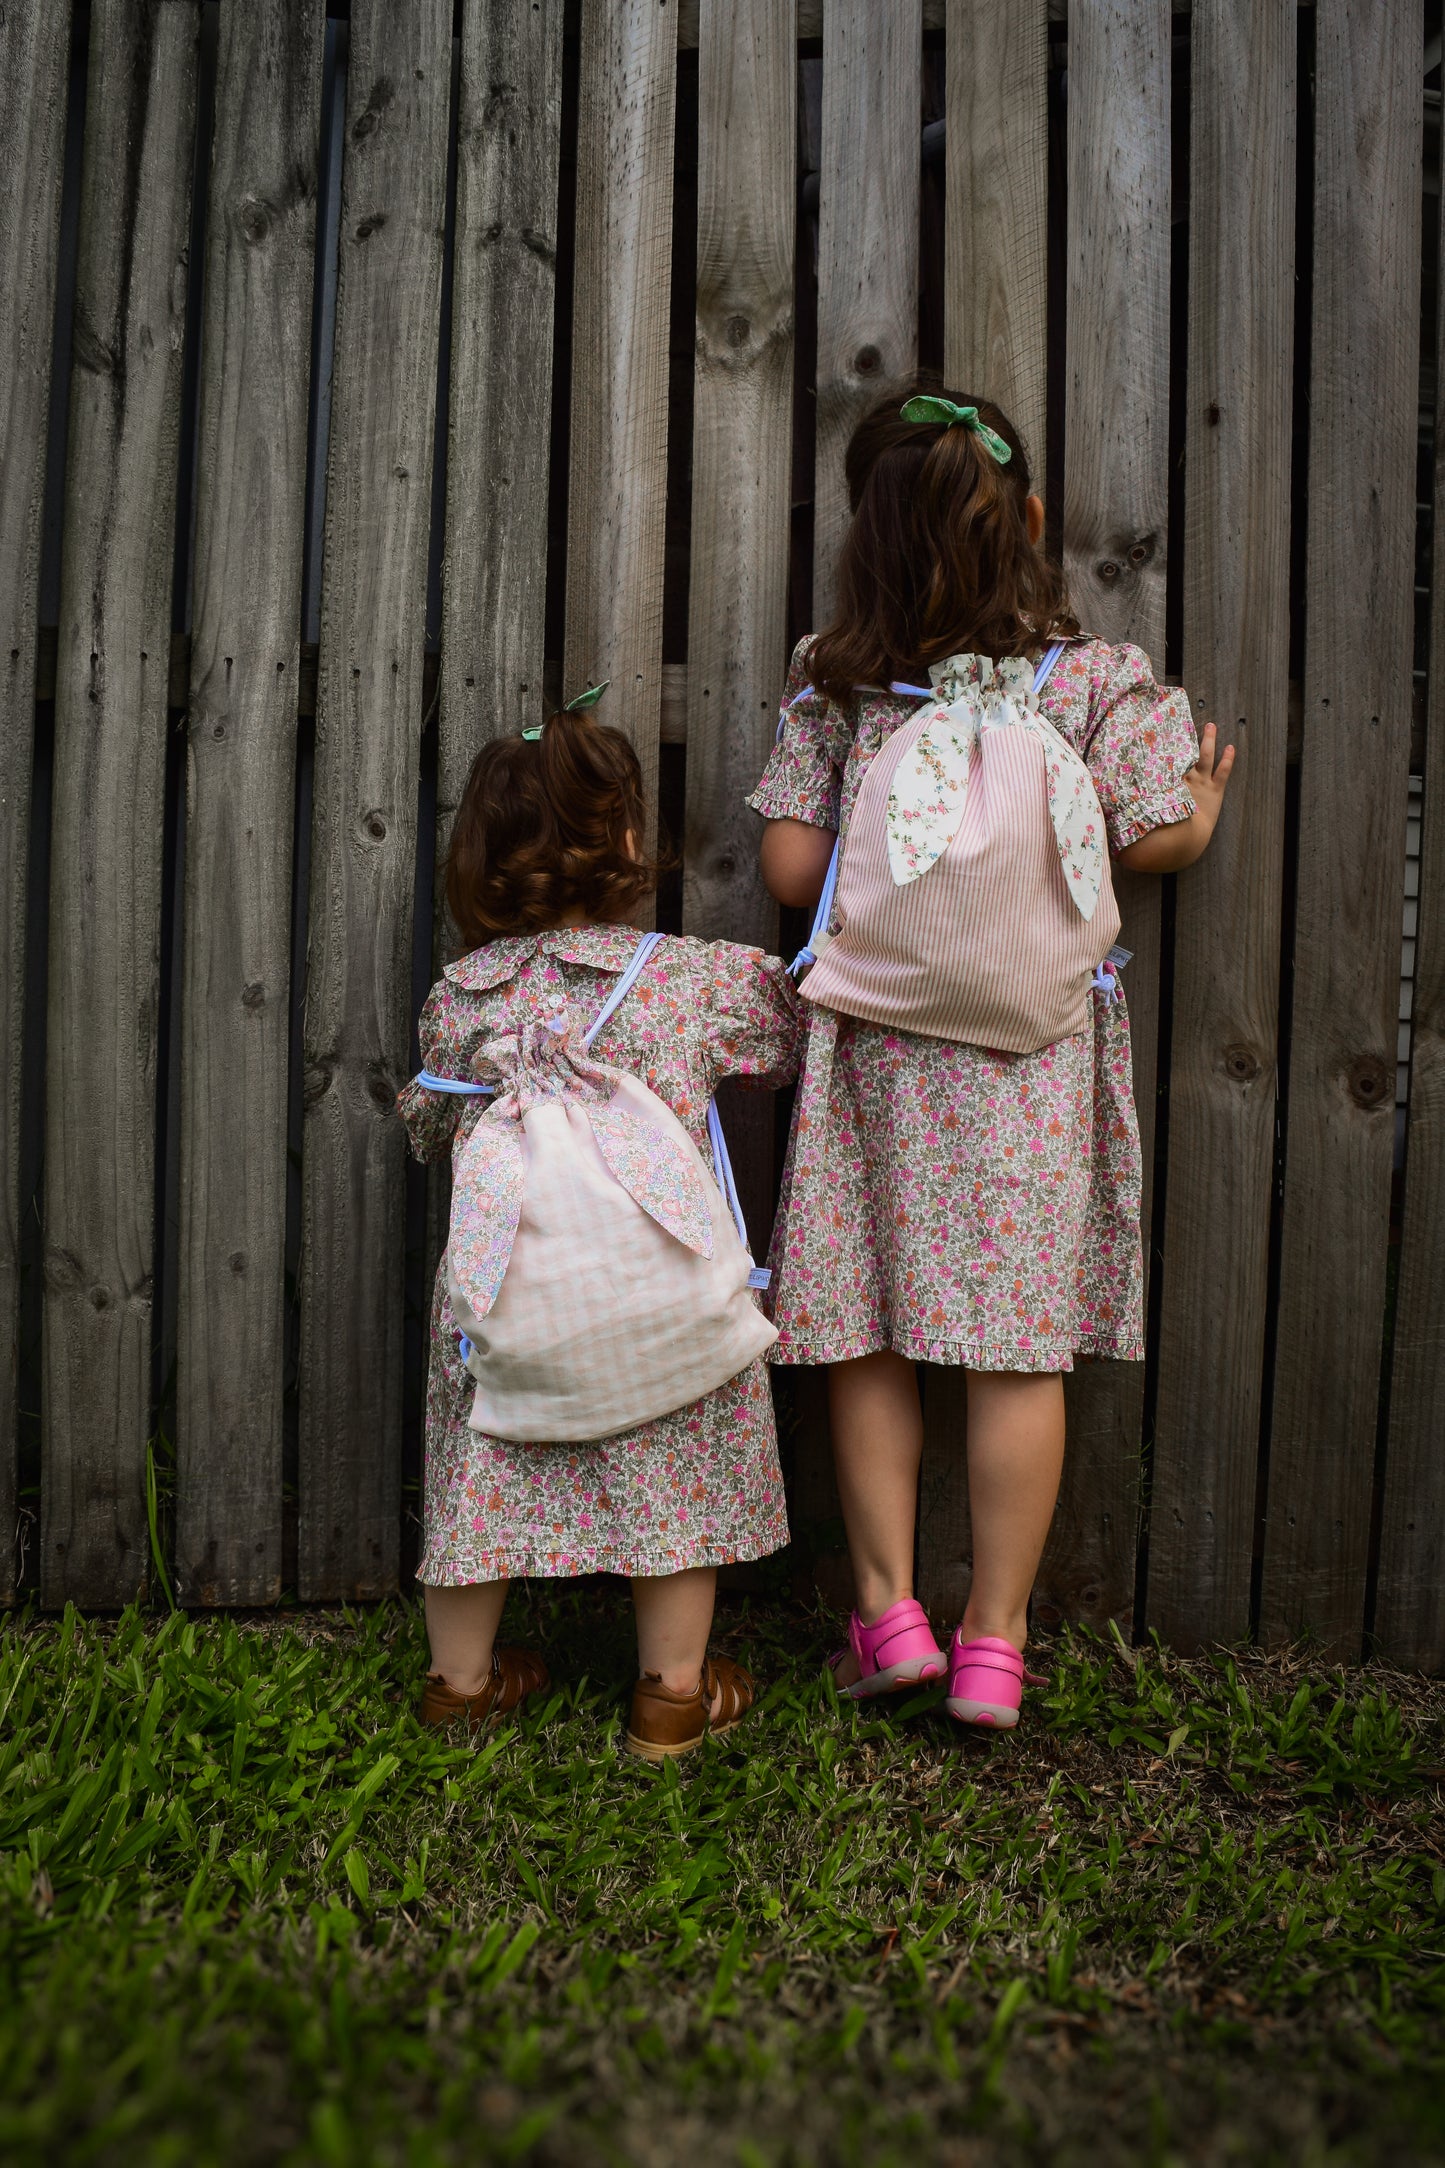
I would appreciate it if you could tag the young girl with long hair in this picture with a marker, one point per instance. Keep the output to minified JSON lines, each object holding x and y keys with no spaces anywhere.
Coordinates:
{"x":947,"y":1199}
{"x":545,"y":868}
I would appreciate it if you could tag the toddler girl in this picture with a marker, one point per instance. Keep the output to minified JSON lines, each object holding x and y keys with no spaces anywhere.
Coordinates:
{"x":543,"y":872}
{"x":944,"y":1201}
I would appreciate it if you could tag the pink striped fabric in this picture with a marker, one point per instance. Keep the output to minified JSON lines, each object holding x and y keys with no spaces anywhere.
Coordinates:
{"x":986,"y":947}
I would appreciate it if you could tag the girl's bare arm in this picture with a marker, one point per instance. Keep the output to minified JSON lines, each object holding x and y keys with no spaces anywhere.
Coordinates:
{"x":794,"y":859}
{"x":1169,"y":850}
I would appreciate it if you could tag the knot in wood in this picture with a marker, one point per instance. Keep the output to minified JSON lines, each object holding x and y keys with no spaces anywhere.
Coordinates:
{"x":254,"y":995}
{"x":254,"y":218}
{"x":373,"y":223}
{"x":1368,"y":1081}
{"x":867,"y":361}
{"x":237,"y":1261}
{"x":737,"y":331}
{"x":381,"y":1089}
{"x":316,"y":1082}
{"x":374,"y":827}
{"x":1241,"y":1064}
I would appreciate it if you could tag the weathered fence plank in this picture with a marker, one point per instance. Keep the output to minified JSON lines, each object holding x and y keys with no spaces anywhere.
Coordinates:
{"x":494,"y":573}
{"x":1339,"y":1135}
{"x":867,"y":240}
{"x":1222,"y":1075}
{"x":368,"y":729}
{"x":1409,"y":1621}
{"x":1352,"y":816}
{"x":112,"y":667}
{"x":742,"y":438}
{"x":996,"y":233}
{"x":995,"y":341}
{"x":1115,"y":521}
{"x":621,"y":287}
{"x":245,"y":655}
{"x":32,"y":153}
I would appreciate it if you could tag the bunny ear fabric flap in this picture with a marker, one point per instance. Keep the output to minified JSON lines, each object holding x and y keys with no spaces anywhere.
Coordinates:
{"x":586,"y":700}
{"x":491,"y":1174}
{"x":656,"y":1175}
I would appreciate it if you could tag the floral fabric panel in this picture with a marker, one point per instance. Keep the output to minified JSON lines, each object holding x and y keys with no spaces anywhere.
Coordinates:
{"x":655,"y":1173}
{"x":487,"y":1184}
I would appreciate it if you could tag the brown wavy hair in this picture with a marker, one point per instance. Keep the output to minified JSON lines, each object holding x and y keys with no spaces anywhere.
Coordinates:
{"x":938,"y":559}
{"x":542,"y":830}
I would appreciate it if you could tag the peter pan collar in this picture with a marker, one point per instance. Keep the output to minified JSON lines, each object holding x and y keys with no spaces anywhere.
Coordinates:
{"x":600,"y":948}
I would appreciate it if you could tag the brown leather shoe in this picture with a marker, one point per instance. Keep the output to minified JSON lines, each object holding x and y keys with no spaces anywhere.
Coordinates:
{"x":664,"y":1723}
{"x":515,"y":1674}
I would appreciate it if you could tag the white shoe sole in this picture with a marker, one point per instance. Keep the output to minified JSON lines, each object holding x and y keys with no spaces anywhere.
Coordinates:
{"x":987,"y":1713}
{"x":919,"y":1672}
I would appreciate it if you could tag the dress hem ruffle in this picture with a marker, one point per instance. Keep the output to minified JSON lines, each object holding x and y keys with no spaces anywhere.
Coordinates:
{"x":962,"y":1354}
{"x":456,"y":1569}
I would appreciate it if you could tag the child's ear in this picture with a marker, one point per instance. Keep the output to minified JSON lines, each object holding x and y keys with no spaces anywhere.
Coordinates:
{"x":1034,"y":516}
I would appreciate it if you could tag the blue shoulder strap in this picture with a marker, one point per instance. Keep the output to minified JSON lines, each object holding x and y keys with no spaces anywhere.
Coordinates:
{"x":824,"y":913}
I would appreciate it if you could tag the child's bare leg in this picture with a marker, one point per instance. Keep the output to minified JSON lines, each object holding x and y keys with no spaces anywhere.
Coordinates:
{"x":461,"y":1625}
{"x":1015,"y":1459}
{"x":674,"y":1619}
{"x":877,"y":1426}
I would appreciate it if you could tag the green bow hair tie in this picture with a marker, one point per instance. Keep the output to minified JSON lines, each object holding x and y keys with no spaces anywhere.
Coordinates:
{"x":589,"y":699}
{"x":927,"y":408}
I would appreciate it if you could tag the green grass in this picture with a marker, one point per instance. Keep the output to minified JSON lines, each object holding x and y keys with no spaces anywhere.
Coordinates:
{"x":1191,"y":1912}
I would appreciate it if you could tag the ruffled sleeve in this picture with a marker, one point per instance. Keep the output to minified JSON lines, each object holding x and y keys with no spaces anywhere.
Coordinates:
{"x":430,"y":1117}
{"x":754,"y":1027}
{"x":1141,"y":745}
{"x":802,"y":779}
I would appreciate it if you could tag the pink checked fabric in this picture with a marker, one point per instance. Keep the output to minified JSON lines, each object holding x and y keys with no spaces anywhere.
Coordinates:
{"x":591,"y":1259}
{"x":974,"y":899}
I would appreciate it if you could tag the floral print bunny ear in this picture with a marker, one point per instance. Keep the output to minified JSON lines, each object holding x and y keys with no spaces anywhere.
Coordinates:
{"x":930,"y":785}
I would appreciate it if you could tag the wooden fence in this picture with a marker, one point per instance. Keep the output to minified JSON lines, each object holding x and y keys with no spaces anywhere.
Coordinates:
{"x":364,"y":370}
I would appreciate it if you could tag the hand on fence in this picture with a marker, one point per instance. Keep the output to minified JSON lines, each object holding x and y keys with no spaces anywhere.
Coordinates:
{"x":1169,"y":850}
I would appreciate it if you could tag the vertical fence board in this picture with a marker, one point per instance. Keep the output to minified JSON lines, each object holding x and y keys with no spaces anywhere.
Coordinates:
{"x":867,"y":240}
{"x":1339,"y":1136}
{"x":1409,"y":1622}
{"x":621,"y":287}
{"x":996,"y":341}
{"x":997,"y":229}
{"x":112,"y":678}
{"x":494,"y":574}
{"x":368,"y":729}
{"x":32,"y":152}
{"x":245,"y":654}
{"x":1222,"y":1074}
{"x":742,"y":442}
{"x":1115,"y":516}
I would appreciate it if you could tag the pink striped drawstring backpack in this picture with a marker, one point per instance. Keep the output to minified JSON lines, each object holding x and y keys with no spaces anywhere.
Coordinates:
{"x":973,"y":900}
{"x":597,"y":1267}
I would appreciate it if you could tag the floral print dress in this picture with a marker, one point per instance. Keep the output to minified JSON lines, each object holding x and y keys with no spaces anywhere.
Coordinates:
{"x":958,"y":1204}
{"x":699,"y":1487}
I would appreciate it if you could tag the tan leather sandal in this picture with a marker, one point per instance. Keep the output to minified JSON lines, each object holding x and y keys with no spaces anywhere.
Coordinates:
{"x":664,"y":1723}
{"x":515,"y":1674}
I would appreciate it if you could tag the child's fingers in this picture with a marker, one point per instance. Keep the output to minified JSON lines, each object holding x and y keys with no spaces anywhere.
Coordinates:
{"x":1207,"y":739}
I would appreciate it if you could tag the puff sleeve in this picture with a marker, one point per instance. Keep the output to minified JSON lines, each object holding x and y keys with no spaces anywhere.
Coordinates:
{"x":1141,"y":745}
{"x":802,"y":780}
{"x":430,"y":1117}
{"x":754,"y":1017}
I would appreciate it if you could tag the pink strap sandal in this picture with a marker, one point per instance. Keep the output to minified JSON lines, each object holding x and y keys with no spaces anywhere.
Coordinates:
{"x":897,"y":1650}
